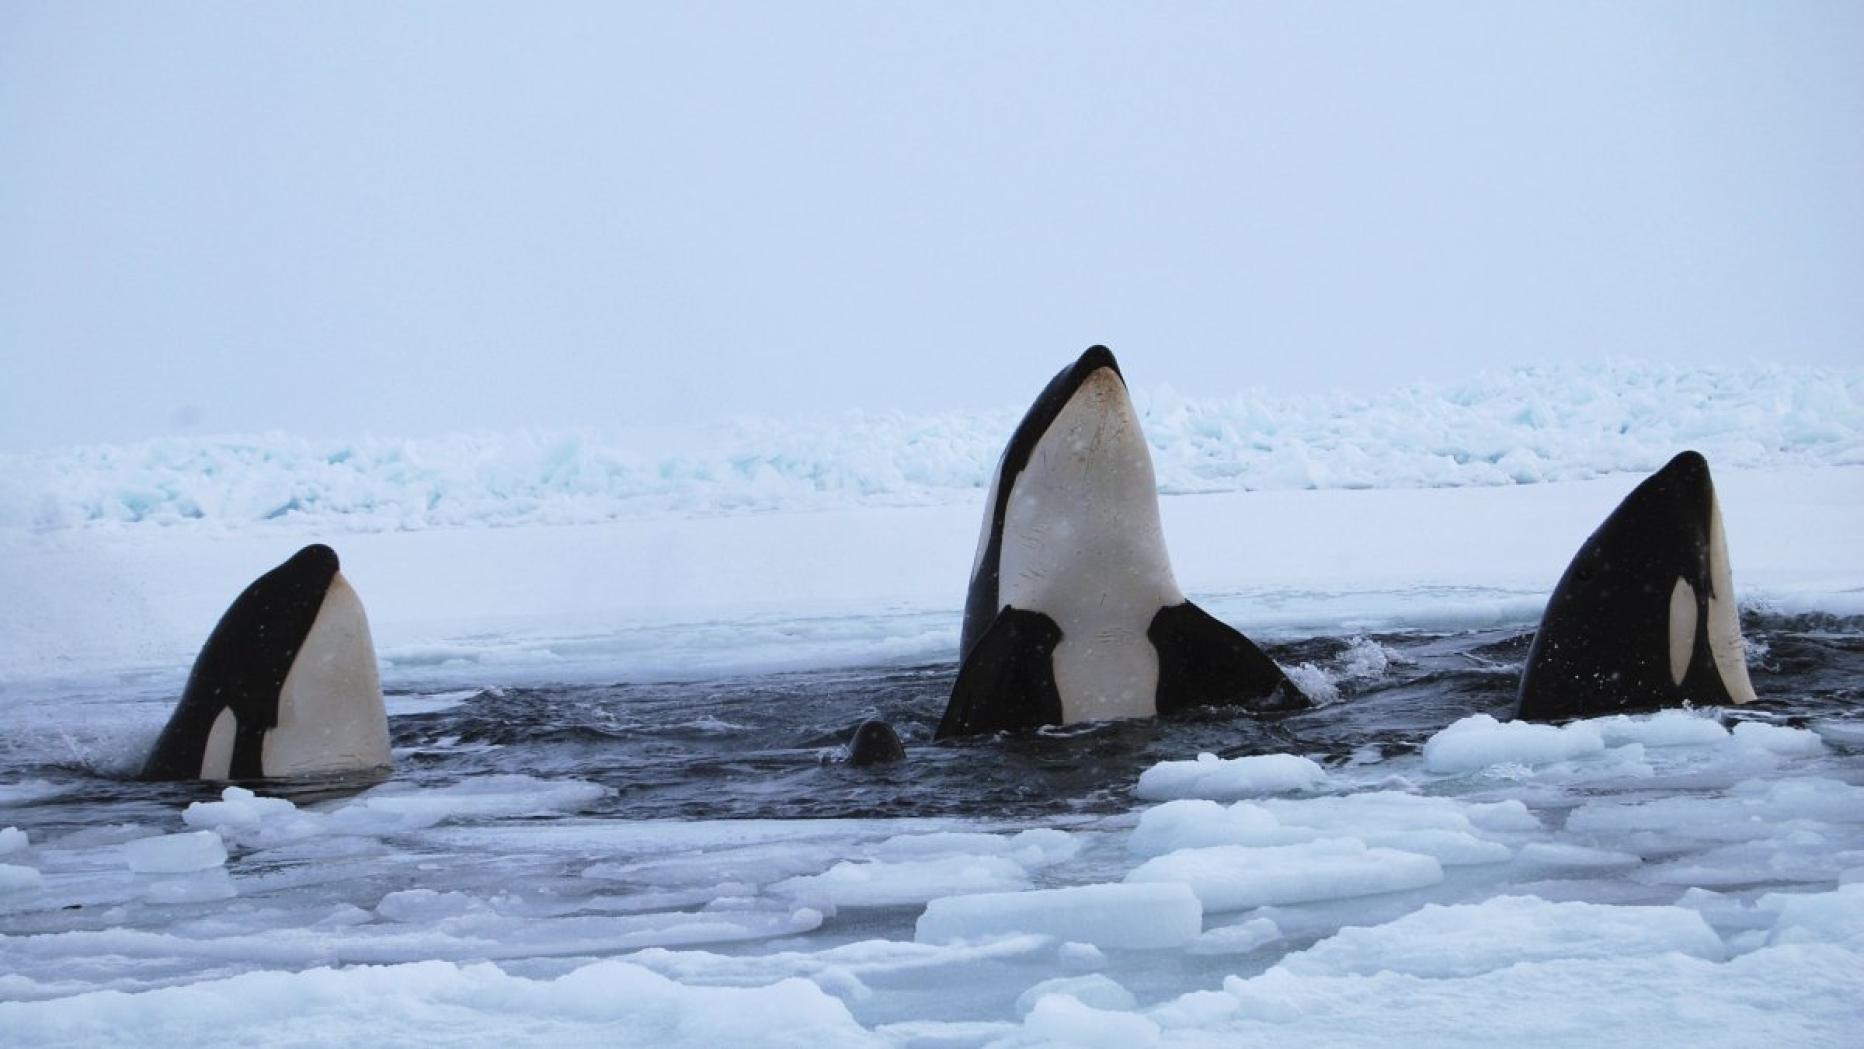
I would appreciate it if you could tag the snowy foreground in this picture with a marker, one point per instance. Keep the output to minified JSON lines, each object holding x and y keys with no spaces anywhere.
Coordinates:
{"x":1676,"y":879}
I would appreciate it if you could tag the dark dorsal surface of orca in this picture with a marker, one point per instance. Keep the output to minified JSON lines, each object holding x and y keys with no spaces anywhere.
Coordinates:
{"x":875,"y":743}
{"x":1073,"y":613}
{"x":286,"y":684}
{"x":1645,"y":615}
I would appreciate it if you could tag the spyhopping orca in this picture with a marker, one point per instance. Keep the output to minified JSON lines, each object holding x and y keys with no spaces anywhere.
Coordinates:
{"x":285,"y":686}
{"x":1073,"y":614}
{"x":1645,"y":615}
{"x":875,"y":743}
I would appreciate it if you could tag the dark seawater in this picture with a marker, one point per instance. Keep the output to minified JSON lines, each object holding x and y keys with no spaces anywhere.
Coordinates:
{"x":771,"y":746}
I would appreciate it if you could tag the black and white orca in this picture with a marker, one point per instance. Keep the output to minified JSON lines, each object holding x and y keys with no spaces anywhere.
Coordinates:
{"x":1645,"y":615}
{"x":1073,"y":613}
{"x":285,"y":686}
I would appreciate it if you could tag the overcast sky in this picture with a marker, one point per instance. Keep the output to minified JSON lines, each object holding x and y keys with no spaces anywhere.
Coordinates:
{"x":411,"y":218}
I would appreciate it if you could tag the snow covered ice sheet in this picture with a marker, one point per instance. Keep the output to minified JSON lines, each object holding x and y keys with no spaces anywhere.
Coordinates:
{"x":617,"y":815}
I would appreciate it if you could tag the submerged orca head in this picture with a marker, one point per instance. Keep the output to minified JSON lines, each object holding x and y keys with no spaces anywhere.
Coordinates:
{"x":1645,"y":615}
{"x":286,"y":684}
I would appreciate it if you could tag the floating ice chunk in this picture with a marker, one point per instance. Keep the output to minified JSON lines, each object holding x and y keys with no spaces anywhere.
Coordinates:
{"x":882,"y":884}
{"x":423,"y":906}
{"x":1042,"y":846}
{"x":1452,"y":848}
{"x":1196,"y":822}
{"x":1038,"y":847}
{"x":1778,"y":739}
{"x":1478,"y":741}
{"x":1080,"y":956}
{"x":15,"y":878}
{"x":1236,"y":877}
{"x":238,"y":809}
{"x":1501,"y":816}
{"x":1137,"y":916}
{"x":176,"y":853}
{"x":1799,"y":995}
{"x":1846,"y":733}
{"x":1826,"y":917}
{"x":610,"y":1003}
{"x":204,"y":886}
{"x":12,"y":839}
{"x":1095,"y":990}
{"x":1227,"y":779}
{"x":1466,"y":939}
{"x":489,"y":797}
{"x":1829,"y":800}
{"x":1557,"y":854}
{"x":1711,"y":819}
{"x":1666,"y":728}
{"x":1240,"y":938}
{"x":1195,"y":1011}
{"x":1060,"y":1019}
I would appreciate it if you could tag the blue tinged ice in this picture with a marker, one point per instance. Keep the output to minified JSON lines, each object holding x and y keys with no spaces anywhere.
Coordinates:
{"x":1527,"y":426}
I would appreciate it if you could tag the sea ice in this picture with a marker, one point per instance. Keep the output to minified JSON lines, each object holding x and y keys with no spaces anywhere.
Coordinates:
{"x":882,"y":884}
{"x":1560,"y":854}
{"x":176,"y":853}
{"x":1479,"y":741}
{"x":1221,"y":779}
{"x":1196,"y":822}
{"x":12,"y":839}
{"x":1237,"y":877}
{"x":1094,"y":989}
{"x":1466,"y":939}
{"x":1108,"y":915}
{"x":15,"y":878}
{"x":1240,"y":938}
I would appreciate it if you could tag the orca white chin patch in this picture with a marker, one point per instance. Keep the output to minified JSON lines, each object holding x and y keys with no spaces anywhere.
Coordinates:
{"x":330,"y":712}
{"x":1082,"y":544}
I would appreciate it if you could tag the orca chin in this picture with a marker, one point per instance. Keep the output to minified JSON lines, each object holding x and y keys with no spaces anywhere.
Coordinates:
{"x":1073,"y":613}
{"x":1645,"y":615}
{"x":286,"y":685}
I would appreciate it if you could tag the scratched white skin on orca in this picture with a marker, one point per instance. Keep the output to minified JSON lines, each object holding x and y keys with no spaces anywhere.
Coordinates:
{"x":286,"y":685}
{"x":1087,"y":499}
{"x":1073,"y":612}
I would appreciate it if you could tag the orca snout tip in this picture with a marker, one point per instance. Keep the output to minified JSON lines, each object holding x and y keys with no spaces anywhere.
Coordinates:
{"x":1687,"y":465}
{"x":318,"y":554}
{"x":1096,"y":357}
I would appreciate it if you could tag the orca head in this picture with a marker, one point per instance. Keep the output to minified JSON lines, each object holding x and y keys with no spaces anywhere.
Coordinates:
{"x":286,"y":684}
{"x":1072,"y":532}
{"x":1645,"y":615}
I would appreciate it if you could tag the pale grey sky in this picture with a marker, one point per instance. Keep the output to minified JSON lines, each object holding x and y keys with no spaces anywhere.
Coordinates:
{"x":408,"y":218}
